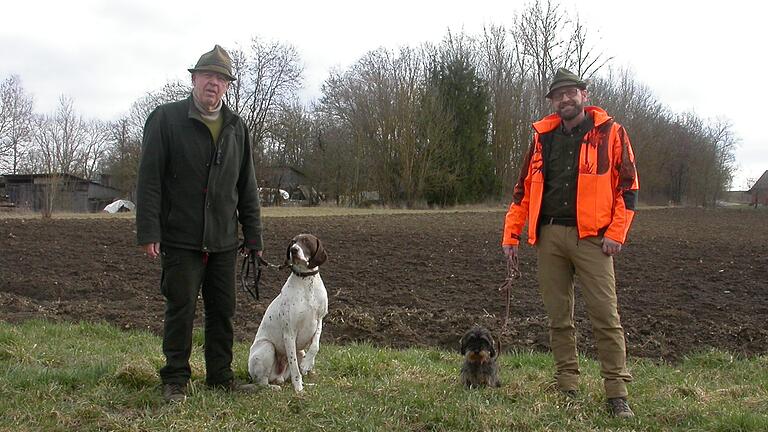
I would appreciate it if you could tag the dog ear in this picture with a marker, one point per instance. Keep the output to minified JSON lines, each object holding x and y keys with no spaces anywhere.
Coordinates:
{"x":489,"y":340}
{"x":463,"y":344}
{"x":319,"y":257}
{"x":288,"y":252}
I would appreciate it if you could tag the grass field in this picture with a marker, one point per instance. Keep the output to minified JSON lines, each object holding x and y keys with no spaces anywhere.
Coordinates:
{"x":63,"y":377}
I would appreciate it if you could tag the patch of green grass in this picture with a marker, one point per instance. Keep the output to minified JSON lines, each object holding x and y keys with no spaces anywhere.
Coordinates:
{"x":63,"y":377}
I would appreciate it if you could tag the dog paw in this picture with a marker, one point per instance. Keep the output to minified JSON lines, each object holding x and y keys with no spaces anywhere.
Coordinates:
{"x":275,"y":387}
{"x":306,"y":366}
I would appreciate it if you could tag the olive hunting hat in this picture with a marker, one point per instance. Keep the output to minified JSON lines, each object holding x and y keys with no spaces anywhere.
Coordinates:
{"x":215,"y":60}
{"x":566,"y":78}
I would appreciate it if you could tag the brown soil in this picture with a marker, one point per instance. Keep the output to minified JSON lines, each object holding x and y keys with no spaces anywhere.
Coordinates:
{"x":688,"y":279}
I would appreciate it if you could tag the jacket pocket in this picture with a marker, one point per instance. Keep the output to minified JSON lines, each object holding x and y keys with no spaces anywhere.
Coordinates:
{"x":168,"y":260}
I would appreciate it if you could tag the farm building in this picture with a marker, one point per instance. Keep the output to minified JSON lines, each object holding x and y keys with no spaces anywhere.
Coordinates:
{"x":759,"y":191}
{"x":291,"y":180}
{"x":71,"y":193}
{"x":282,"y":177}
{"x":737,"y":197}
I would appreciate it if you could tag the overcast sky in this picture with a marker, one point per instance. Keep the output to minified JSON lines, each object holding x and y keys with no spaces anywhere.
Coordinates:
{"x":700,"y":56}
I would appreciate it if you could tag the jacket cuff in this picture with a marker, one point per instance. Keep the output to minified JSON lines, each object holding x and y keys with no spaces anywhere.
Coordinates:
{"x":513,"y":240}
{"x":621,"y":242}
{"x":255,"y":243}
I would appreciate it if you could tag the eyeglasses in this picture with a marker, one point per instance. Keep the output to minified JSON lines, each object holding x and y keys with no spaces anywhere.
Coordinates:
{"x":558,"y":95}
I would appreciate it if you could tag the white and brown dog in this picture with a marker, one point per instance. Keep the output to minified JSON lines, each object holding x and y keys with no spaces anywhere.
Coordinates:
{"x":293,"y":321}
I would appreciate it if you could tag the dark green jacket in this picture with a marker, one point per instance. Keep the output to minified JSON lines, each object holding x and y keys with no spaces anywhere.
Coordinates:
{"x":192,"y":191}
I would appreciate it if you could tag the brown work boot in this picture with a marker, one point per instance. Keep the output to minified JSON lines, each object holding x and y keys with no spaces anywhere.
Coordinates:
{"x":236,"y":386}
{"x":619,"y":407}
{"x":174,"y":392}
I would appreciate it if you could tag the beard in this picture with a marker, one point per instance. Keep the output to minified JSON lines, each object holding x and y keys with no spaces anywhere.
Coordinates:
{"x":570,"y":110}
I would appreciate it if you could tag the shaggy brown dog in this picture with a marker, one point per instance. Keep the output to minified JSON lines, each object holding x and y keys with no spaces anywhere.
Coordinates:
{"x":480,"y":352}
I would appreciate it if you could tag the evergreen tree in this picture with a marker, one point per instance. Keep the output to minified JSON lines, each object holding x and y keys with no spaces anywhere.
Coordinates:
{"x":465,"y":172}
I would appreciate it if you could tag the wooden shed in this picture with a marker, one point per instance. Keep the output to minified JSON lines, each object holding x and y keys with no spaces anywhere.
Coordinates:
{"x":759,"y":191}
{"x":71,"y":193}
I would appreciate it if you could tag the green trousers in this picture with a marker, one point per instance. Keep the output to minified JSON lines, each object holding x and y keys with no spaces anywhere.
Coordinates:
{"x":561,"y":256}
{"x":185,"y":274}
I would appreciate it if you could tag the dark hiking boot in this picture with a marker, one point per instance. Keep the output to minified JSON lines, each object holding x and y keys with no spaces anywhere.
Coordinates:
{"x":620,"y":408}
{"x":236,"y":386}
{"x":174,"y":392}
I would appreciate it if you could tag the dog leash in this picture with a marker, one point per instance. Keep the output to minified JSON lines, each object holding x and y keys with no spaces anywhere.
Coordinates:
{"x":513,"y":272}
{"x":249,"y":263}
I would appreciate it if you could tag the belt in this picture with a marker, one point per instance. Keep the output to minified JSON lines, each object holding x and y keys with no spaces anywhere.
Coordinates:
{"x":546,"y":220}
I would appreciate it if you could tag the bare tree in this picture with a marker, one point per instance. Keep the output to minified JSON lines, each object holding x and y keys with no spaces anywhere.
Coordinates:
{"x":538,"y":32}
{"x":15,"y":123}
{"x":93,"y":149}
{"x":141,"y":108}
{"x":547,"y":39}
{"x":332,"y":162}
{"x":345,"y":109}
{"x":717,"y":161}
{"x":511,"y":102}
{"x":238,"y":89}
{"x":580,"y":57}
{"x":122,"y":157}
{"x":749,"y":182}
{"x":57,"y":138}
{"x":115,"y":147}
{"x":291,"y":137}
{"x":433,"y":122}
{"x":391,"y":122}
{"x":60,"y":137}
{"x":268,"y":75}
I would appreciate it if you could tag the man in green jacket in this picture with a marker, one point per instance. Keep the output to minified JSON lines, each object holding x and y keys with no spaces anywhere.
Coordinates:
{"x":196,"y":181}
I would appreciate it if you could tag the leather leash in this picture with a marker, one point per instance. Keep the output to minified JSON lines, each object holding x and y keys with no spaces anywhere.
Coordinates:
{"x":249,"y":263}
{"x":513,"y":272}
{"x":254,"y":261}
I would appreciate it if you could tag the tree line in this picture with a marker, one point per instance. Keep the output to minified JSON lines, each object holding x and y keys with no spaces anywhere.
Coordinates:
{"x":433,"y":124}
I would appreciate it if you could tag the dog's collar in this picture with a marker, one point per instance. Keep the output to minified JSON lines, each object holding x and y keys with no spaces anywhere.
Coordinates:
{"x":304,"y":274}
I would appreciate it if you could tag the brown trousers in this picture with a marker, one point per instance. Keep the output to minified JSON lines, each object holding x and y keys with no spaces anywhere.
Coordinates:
{"x":561,"y":256}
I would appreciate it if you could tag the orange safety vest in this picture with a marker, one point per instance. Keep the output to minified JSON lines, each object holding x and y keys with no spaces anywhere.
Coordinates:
{"x":606,"y":190}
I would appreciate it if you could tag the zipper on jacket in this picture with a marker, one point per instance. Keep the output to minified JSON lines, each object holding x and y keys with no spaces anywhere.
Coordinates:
{"x":217,"y":144}
{"x":584,"y":142}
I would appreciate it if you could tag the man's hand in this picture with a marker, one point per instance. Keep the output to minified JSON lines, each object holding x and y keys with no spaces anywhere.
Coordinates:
{"x":611,"y":247}
{"x":510,"y":251}
{"x":151,"y":250}
{"x":245,"y":252}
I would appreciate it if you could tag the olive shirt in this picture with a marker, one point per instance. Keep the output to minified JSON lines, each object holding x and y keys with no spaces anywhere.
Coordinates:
{"x":561,"y":166}
{"x":214,"y":126}
{"x":192,"y":190}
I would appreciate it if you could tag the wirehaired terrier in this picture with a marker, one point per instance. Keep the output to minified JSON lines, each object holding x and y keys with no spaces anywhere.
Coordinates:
{"x":480,"y":353}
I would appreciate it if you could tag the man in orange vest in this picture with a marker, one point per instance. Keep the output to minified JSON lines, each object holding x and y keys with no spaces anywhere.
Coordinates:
{"x":577,"y":189}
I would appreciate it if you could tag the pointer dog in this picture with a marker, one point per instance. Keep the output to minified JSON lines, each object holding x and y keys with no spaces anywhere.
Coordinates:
{"x":293,"y":321}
